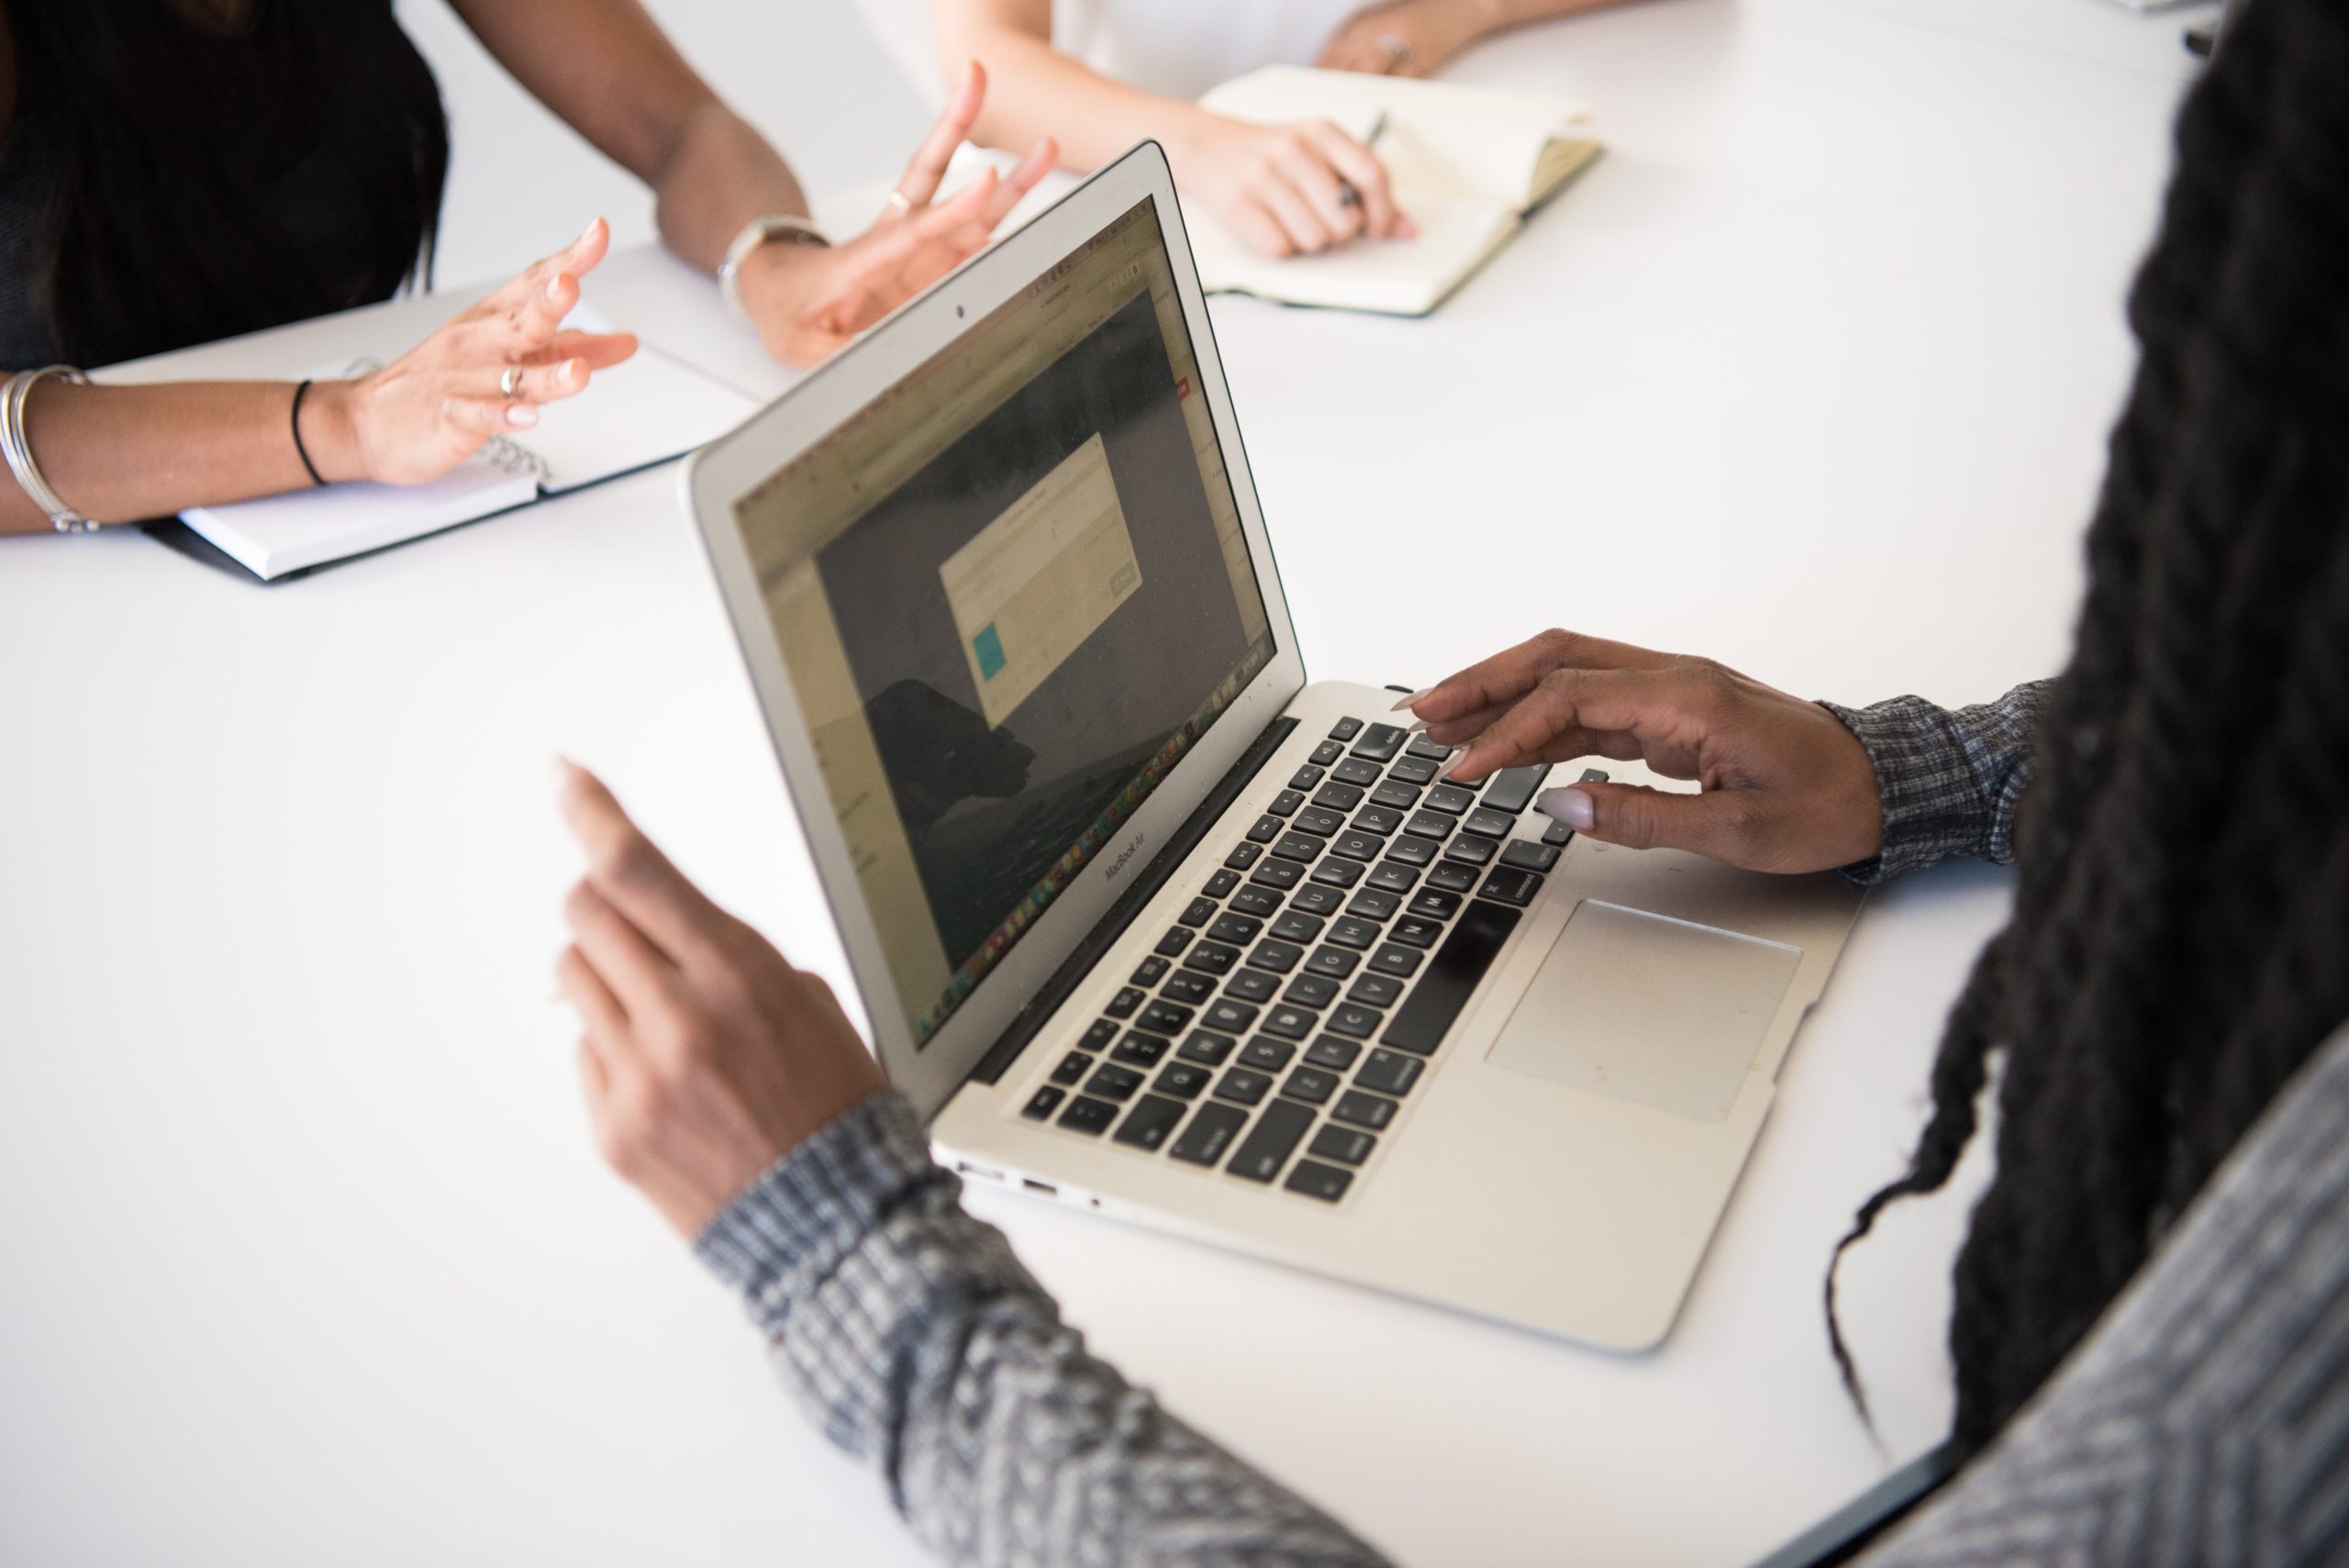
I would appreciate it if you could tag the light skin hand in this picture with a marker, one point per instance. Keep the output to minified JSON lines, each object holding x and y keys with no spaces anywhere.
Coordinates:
{"x":705,"y":1056}
{"x":809,"y":301}
{"x":1431,"y":31}
{"x":1283,"y":188}
{"x":435,"y":406}
{"x":1785,"y":787}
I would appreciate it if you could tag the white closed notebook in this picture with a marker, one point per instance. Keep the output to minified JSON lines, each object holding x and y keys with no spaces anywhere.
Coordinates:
{"x":1466,"y":163}
{"x":649,"y":409}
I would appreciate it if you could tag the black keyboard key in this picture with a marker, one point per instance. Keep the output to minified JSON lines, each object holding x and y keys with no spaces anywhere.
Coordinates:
{"x":1317,"y":900}
{"x":1150,"y":971}
{"x":1235,"y":928}
{"x":1266,"y":1056}
{"x":1212,"y":958}
{"x":1490,"y":823}
{"x":1228,"y":1016}
{"x":1252,"y":985}
{"x":1429,"y":825}
{"x":1378,"y":819}
{"x":1180,"y":1079}
{"x":1434,"y":904}
{"x":1557,"y":835}
{"x":1449,"y":875}
{"x":1280,"y":873}
{"x":1267,"y":1148}
{"x":1315,"y":991}
{"x":1338,"y":796}
{"x":1338,"y":873}
{"x":1345,"y":729}
{"x":1164,"y":1017}
{"x":1344,"y":1144}
{"x":1222,"y":883}
{"x":1301,"y":847}
{"x":1042,"y":1103}
{"x":1286,"y":802}
{"x":1188,"y":987}
{"x":1255,"y":900}
{"x":1354,"y":931}
{"x":1410,"y":851}
{"x":1411,"y":930}
{"x":1314,"y":1087}
{"x":1289,"y":1023}
{"x":1374,"y":990}
{"x":1198,"y":912}
{"x":1389,"y":1072}
{"x":1332,"y":1053}
{"x":1171,"y":944}
{"x":1314,"y":1179}
{"x":1264,"y":830}
{"x":1319,"y":819}
{"x":1112,"y":1083}
{"x":1206,"y":1047}
{"x":1396,"y":796}
{"x":1140,"y":1049}
{"x":1374,"y":903}
{"x":1123,"y":1003}
{"x":1277,"y":956}
{"x":1087,"y":1116}
{"x":1473,"y":847}
{"x":1242,"y":1086}
{"x":1400,"y":961}
{"x":1326,"y":753}
{"x":1355,"y":1020}
{"x":1450,"y":799}
{"x":1363,"y":1110}
{"x":1242,"y":856}
{"x":1511,"y":788}
{"x":1526,"y":855}
{"x":1209,"y":1134}
{"x":1452,"y":973}
{"x":1510,"y":886}
{"x":1102,"y":1032}
{"x":1072,"y":1067}
{"x":1593,"y":775}
{"x":1356,"y":845}
{"x":1411,"y":771}
{"x":1305,"y":777}
{"x":1149,"y":1123}
{"x":1335,"y":963}
{"x":1294,"y":926}
{"x":1379,"y":742}
{"x":1429,"y":750}
{"x":1354,"y":771}
{"x":1394,"y":876}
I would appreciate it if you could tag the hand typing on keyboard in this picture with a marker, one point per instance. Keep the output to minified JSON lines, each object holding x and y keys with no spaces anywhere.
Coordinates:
{"x":1783,"y":786}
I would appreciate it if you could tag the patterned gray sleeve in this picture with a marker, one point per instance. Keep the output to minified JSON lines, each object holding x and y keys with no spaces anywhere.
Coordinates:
{"x":1949,"y":778}
{"x":915,"y":1338}
{"x":2205,"y":1421}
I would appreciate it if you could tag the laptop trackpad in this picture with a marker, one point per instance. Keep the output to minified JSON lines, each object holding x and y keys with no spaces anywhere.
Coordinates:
{"x":1648,"y":1009}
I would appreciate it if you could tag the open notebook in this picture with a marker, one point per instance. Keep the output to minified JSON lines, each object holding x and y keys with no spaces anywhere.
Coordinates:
{"x":646,"y":410}
{"x":1467,"y":164}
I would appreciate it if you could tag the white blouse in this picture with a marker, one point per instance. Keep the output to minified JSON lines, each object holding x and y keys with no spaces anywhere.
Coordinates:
{"x":1179,"y":48}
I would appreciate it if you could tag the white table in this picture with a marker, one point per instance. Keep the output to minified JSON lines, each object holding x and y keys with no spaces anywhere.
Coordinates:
{"x":306,"y":1256}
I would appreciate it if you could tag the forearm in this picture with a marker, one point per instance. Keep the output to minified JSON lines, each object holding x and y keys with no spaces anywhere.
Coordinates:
{"x":1494,"y":16}
{"x":1951,"y":780}
{"x":720,"y":175}
{"x":1035,"y":91}
{"x":917,"y":1341}
{"x":120,"y":455}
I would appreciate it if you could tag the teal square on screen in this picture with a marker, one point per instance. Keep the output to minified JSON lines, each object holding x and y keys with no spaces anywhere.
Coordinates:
{"x":988,"y":646}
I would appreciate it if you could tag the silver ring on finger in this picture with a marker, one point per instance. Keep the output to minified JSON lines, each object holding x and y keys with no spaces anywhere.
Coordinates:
{"x":510,"y":383}
{"x":1398,"y":50}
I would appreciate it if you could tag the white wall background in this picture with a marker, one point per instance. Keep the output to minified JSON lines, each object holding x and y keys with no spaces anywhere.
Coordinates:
{"x":806,"y":72}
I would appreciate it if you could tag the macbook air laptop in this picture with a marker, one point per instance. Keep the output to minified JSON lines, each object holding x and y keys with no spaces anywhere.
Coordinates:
{"x":1146,"y":924}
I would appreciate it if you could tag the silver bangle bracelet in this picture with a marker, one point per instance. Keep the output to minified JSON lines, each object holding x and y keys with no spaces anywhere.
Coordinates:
{"x":757,"y":232}
{"x":18,"y":450}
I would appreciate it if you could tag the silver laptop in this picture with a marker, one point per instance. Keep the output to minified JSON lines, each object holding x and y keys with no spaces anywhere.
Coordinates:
{"x":1147,"y":924}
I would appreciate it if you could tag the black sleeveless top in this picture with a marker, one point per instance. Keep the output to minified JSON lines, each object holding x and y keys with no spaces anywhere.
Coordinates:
{"x":162,"y":186}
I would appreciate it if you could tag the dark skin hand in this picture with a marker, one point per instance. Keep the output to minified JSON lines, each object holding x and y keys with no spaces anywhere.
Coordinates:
{"x":1783,"y":786}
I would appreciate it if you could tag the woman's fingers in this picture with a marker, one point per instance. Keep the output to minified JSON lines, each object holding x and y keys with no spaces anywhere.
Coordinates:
{"x":1306,"y":169}
{"x":1666,"y":709}
{"x":639,"y":974}
{"x":490,"y":416}
{"x":1513,"y":671}
{"x":600,"y":1012}
{"x":626,"y":869}
{"x":927,"y":169}
{"x":1360,"y":168}
{"x":598,"y":351}
{"x":1290,"y":209}
{"x":1041,"y":159}
{"x":1714,"y":823}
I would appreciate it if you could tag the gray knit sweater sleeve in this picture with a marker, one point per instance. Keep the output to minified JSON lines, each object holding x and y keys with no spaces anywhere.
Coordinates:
{"x":1949,"y":778}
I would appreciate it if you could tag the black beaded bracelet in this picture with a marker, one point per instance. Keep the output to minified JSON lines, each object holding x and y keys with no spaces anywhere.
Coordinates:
{"x":300,"y":392}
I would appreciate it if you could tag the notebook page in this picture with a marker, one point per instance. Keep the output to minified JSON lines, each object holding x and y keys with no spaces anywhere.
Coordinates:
{"x":647,"y":409}
{"x":1396,"y":277}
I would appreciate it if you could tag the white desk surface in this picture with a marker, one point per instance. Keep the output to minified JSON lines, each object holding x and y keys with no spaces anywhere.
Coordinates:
{"x":306,"y":1256}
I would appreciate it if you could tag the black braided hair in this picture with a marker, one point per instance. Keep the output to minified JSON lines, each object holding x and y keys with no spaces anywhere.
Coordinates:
{"x":2179,"y":944}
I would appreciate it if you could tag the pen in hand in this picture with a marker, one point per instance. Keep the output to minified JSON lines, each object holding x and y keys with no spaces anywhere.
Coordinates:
{"x":1347,"y":195}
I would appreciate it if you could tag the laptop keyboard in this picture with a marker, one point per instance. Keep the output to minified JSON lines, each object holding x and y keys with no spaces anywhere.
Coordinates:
{"x":1277,"y":1028}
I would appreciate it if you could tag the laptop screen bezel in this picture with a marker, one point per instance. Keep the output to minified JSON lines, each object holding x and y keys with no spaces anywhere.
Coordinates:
{"x":721,"y":474}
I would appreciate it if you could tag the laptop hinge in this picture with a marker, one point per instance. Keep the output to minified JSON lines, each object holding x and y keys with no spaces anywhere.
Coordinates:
{"x":1112,"y":925}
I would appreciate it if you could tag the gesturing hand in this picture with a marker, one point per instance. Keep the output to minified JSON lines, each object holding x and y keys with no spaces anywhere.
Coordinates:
{"x":707,"y":1057}
{"x":1785,"y":787}
{"x":432,"y":407}
{"x":1284,"y":188}
{"x":1412,"y":37}
{"x":808,"y":301}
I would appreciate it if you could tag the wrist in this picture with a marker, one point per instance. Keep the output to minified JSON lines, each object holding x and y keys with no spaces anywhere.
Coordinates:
{"x":1191,"y":139}
{"x":775,"y":279}
{"x":328,"y":427}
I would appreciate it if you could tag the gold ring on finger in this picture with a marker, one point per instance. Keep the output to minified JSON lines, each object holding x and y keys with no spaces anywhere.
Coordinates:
{"x":510,"y":383}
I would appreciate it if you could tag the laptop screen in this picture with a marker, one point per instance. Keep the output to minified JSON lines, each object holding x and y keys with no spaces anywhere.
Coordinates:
{"x":1010,"y":593}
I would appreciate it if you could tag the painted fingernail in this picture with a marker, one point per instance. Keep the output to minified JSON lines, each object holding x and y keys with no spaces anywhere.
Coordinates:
{"x":558,"y":769}
{"x":1451,"y":765}
{"x":1572,"y":806}
{"x":521,"y":416}
{"x":587,"y":233}
{"x":1413,"y":701}
{"x":573,"y":370}
{"x":554,"y":286}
